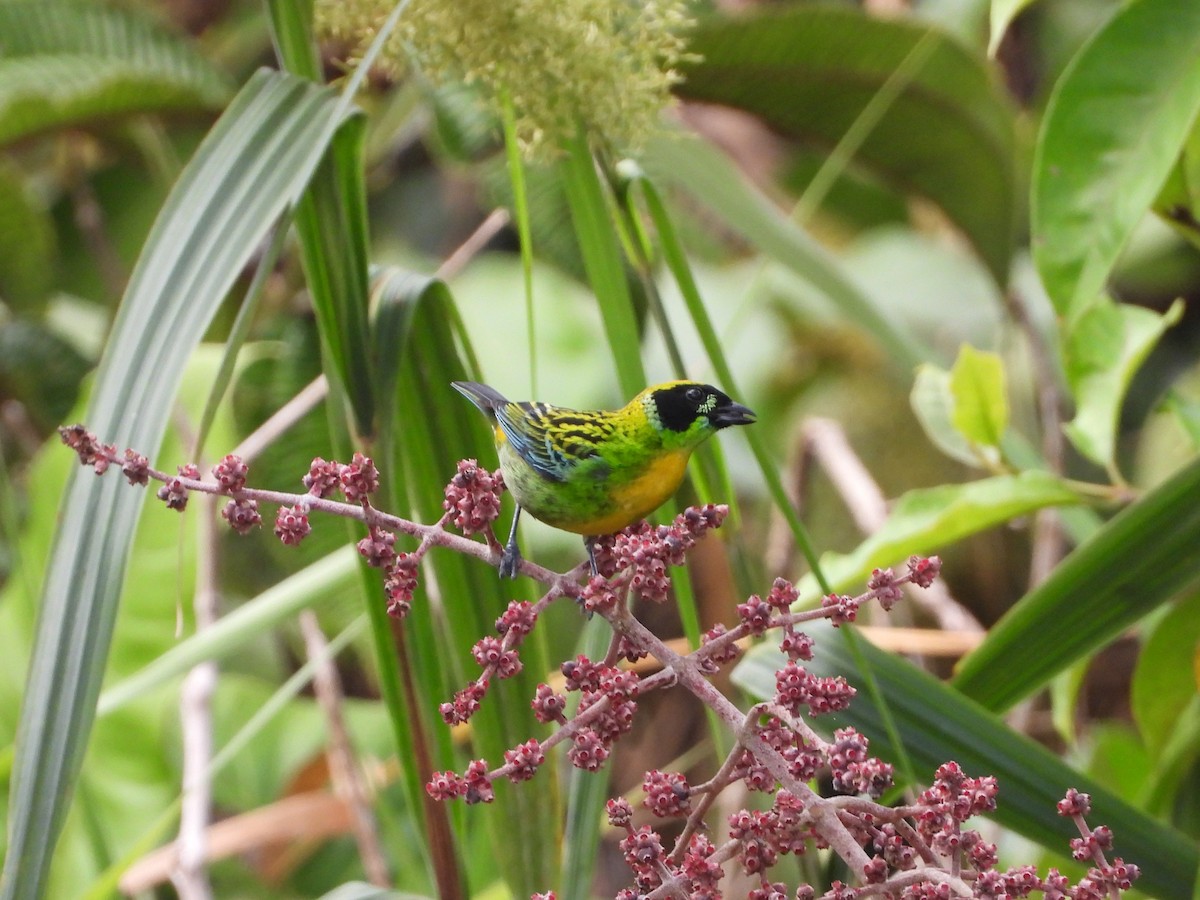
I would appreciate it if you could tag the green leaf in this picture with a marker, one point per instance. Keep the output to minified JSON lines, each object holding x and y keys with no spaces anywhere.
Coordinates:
{"x":1113,"y":129}
{"x":416,"y":674}
{"x":267,"y":705}
{"x":1116,"y":757}
{"x":923,"y":520}
{"x":424,"y":430}
{"x":332,"y":224}
{"x":980,"y":403}
{"x":596,"y":233}
{"x":249,"y":622}
{"x":1167,"y":791}
{"x":938,"y":724}
{"x":69,"y":63}
{"x":964,"y":411}
{"x":677,"y":262}
{"x":810,"y":71}
{"x":1165,"y":679}
{"x":331,"y":221}
{"x":291,"y":29}
{"x":932,"y":400}
{"x":1132,"y":565}
{"x":254,"y":163}
{"x":1102,"y":351}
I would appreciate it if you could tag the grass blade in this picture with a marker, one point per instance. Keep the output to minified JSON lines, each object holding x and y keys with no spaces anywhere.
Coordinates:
{"x":253,"y":164}
{"x":1136,"y":562}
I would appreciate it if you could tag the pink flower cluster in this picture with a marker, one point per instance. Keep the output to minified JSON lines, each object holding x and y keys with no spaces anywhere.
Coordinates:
{"x":641,"y":553}
{"x":473,"y":497}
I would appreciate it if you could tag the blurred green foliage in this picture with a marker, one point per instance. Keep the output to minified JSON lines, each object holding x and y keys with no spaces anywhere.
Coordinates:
{"x":951,"y":241}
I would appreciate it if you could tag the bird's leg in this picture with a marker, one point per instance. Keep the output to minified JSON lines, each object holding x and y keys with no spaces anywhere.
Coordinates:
{"x":510,"y":558}
{"x":589,"y":543}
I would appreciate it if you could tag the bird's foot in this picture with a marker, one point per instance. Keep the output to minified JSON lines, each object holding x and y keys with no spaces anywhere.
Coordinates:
{"x":589,"y":544}
{"x":510,"y":556}
{"x":510,"y":561}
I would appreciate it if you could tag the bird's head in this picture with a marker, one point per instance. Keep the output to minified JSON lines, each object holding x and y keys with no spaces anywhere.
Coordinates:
{"x":687,"y":412}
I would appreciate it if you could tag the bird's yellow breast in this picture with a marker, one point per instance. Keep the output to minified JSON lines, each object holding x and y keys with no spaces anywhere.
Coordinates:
{"x":641,"y":495}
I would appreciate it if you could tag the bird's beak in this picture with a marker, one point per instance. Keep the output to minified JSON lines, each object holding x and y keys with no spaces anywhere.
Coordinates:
{"x":733,"y":414}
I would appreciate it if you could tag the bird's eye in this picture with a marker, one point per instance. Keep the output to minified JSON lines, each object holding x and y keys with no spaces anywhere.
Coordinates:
{"x":694,"y":395}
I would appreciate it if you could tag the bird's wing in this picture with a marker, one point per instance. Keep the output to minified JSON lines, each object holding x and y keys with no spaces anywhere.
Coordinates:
{"x":556,"y":442}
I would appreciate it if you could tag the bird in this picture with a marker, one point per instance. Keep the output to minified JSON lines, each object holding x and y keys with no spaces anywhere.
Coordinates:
{"x":593,"y":472}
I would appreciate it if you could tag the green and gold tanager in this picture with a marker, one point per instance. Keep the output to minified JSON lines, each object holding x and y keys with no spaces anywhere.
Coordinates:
{"x":593,"y":472}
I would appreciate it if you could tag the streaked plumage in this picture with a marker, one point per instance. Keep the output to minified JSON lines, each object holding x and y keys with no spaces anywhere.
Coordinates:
{"x":593,"y":472}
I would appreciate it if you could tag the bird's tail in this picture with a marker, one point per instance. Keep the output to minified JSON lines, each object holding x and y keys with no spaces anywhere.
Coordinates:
{"x":485,"y":398}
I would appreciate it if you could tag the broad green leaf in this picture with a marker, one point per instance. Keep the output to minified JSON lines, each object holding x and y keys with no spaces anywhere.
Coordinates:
{"x":1002,"y":14}
{"x":273,"y":703}
{"x":810,"y":71}
{"x":980,"y":403}
{"x":1135,"y":563}
{"x":1115,"y":756}
{"x":921,"y":521}
{"x":253,"y":164}
{"x":932,"y":401}
{"x":1164,"y":681}
{"x":938,"y":724}
{"x":1102,"y":351}
{"x":271,"y":756}
{"x":70,"y":63}
{"x":1115,"y":125}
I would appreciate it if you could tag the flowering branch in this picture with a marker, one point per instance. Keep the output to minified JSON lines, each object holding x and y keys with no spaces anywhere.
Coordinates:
{"x":920,"y":851}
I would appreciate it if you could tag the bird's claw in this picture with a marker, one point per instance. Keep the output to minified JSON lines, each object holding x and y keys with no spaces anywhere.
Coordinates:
{"x":589,"y":544}
{"x":510,"y":556}
{"x":510,"y":561}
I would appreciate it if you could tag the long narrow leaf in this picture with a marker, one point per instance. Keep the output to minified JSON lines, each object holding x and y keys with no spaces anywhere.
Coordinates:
{"x":248,"y":622}
{"x":254,"y":163}
{"x":1135,"y":563}
{"x":428,"y":430}
{"x":332,"y":224}
{"x":605,"y":268}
